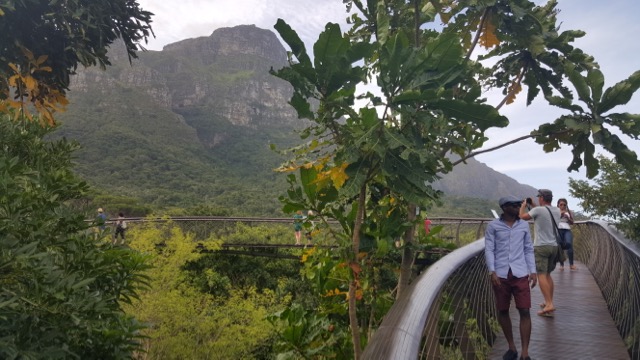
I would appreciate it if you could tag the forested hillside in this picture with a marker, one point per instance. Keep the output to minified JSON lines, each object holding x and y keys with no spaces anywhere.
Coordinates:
{"x":192,"y":125}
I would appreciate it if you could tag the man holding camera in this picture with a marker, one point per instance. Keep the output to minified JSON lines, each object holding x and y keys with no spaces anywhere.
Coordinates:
{"x":544,"y":244}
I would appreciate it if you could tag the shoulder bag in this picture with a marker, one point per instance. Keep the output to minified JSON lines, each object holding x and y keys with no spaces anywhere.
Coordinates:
{"x":559,"y":238}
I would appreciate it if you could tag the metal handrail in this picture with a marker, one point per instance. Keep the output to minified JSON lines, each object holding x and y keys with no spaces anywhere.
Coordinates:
{"x":449,"y":311}
{"x":401,"y":333}
{"x":614,"y":262}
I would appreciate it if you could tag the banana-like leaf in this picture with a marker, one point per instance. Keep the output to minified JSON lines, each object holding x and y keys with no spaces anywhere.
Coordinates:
{"x":483,"y":116}
{"x":329,"y":46}
{"x":595,"y":79}
{"x":293,"y":40}
{"x":629,"y":124}
{"x":579,"y":83}
{"x":620,"y":93}
{"x":564,"y":103}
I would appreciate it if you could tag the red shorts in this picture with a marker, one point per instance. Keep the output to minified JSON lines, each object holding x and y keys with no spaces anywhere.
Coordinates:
{"x":516,"y":287}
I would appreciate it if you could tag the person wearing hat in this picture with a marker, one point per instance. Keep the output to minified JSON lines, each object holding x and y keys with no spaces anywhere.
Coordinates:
{"x":511,"y":263}
{"x":101,"y":219}
{"x":544,"y":244}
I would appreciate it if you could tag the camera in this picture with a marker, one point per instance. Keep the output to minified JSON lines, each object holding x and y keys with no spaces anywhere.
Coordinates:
{"x":529,"y":201}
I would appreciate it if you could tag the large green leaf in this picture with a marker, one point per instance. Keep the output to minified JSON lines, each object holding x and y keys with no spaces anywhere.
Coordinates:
{"x":481,"y":115}
{"x":579,"y":83}
{"x":629,"y":124}
{"x":564,"y":103}
{"x":595,"y":79}
{"x":620,"y":93}
{"x":293,"y":40}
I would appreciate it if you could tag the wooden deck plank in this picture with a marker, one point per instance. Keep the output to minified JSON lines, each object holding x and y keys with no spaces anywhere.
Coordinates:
{"x":581,"y":329}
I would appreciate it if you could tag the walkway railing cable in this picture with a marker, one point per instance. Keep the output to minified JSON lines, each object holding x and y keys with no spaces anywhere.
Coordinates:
{"x":614,"y":262}
{"x":449,"y":310}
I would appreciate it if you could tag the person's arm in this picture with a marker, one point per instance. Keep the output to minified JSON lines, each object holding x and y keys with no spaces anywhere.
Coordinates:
{"x":524,"y":215}
{"x":489,"y":253}
{"x":529,"y":257}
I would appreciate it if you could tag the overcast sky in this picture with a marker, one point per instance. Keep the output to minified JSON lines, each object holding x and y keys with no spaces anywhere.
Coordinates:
{"x":612,"y":29}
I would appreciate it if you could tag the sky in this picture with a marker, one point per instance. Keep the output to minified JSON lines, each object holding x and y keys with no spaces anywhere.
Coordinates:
{"x":612,"y":29}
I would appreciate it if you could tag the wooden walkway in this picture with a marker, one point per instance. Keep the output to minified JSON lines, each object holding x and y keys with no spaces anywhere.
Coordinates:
{"x":581,"y":329}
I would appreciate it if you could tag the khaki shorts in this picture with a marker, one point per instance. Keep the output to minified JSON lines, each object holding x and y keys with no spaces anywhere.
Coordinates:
{"x":545,"y":258}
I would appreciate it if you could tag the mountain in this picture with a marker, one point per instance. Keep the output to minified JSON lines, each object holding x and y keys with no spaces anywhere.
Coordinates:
{"x":193,"y":123}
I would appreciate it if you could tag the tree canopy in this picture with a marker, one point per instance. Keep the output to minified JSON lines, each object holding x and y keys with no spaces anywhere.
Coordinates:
{"x":43,"y":42}
{"x":613,"y":194}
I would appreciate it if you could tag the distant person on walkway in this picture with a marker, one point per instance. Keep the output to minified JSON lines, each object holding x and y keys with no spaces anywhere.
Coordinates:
{"x":427,"y":226}
{"x":297,"y":225}
{"x":566,"y":220}
{"x":101,"y":219}
{"x":121,"y":227}
{"x":308,"y":233}
{"x":100,"y":222}
{"x":545,"y":245}
{"x":511,"y":263}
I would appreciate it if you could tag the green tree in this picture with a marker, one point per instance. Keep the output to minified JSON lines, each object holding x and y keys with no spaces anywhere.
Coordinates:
{"x":43,"y":42}
{"x":369,"y":166}
{"x":614,"y":194}
{"x":197,"y":316}
{"x":61,"y":287}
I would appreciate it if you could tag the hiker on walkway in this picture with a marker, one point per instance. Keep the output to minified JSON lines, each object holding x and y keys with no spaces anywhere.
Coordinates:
{"x":564,"y":226}
{"x":121,"y":227}
{"x":511,"y":263}
{"x":545,"y":244}
{"x":297,"y":225}
{"x":309,"y":232}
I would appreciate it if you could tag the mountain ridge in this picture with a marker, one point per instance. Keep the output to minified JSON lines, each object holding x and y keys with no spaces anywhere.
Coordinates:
{"x":193,"y":124}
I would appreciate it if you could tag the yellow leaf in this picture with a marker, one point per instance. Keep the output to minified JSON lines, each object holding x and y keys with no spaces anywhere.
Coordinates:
{"x":41,"y":59}
{"x":30,"y":83}
{"x":514,"y":89}
{"x":14,"y":67}
{"x":338,"y":175}
{"x":1,"y":12}
{"x":13,"y":80}
{"x":488,"y":37}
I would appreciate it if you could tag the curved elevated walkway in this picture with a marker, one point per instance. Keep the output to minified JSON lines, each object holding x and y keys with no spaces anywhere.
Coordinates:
{"x":582,"y":327}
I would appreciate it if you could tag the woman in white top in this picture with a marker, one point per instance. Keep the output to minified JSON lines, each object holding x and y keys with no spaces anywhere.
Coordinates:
{"x":566,"y":220}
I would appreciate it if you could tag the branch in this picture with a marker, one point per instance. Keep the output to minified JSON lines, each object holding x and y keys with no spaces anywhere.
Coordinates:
{"x":472,"y":154}
{"x":514,"y":88}
{"x":477,"y":37}
{"x":494,"y":148}
{"x":416,"y":19}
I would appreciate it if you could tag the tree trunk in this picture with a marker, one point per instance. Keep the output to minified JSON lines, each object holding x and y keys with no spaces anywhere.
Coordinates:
{"x":408,"y":255}
{"x":355,"y":272}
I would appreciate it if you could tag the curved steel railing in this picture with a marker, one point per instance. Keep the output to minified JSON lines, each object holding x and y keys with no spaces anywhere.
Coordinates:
{"x":436,"y":309}
{"x":614,"y":262}
{"x":449,"y":313}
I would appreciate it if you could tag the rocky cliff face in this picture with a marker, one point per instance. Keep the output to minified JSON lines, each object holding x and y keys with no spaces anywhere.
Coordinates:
{"x":232,"y":42}
{"x":227,"y":71}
